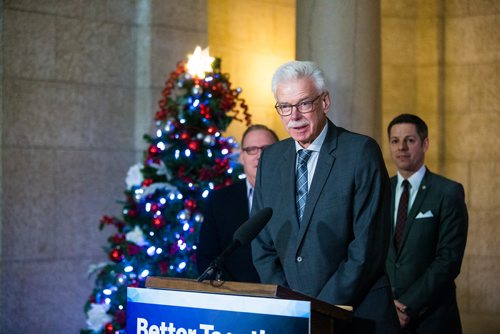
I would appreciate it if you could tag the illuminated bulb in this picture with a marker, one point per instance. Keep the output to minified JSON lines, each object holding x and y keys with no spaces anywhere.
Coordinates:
{"x":151,"y":250}
{"x":128,"y":269}
{"x":161,"y":145}
{"x":177,"y":153}
{"x":182,"y":265}
{"x":158,"y":133}
{"x":224,"y":151}
{"x":205,"y":194}
{"x":187,"y":153}
{"x":107,"y":292}
{"x":199,"y":62}
{"x":159,"y":251}
{"x":145,"y":273}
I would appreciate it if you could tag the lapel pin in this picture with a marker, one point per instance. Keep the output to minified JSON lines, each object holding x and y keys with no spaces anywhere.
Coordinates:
{"x":424,"y":187}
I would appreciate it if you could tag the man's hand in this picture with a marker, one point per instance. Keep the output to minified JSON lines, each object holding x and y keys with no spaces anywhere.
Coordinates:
{"x":404,"y":318}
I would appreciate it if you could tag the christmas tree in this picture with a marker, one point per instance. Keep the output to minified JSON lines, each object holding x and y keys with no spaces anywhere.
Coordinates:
{"x":187,"y":158}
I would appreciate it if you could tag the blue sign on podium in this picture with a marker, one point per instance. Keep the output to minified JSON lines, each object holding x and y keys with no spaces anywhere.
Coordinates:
{"x":157,"y":311}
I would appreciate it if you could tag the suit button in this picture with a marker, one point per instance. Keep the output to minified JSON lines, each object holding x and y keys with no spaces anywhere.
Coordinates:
{"x":299,"y":259}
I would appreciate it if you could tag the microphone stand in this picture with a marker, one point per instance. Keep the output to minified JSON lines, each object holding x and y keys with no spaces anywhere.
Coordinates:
{"x":215,"y":266}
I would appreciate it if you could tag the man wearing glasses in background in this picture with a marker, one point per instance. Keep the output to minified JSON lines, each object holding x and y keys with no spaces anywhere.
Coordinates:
{"x":329,"y":191}
{"x":229,"y":207}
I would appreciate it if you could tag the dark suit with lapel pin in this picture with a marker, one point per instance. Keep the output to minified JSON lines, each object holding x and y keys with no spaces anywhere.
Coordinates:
{"x":337,"y":254}
{"x":226,"y":210}
{"x":423,"y":270}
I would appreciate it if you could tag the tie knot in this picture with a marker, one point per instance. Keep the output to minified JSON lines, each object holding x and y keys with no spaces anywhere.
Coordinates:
{"x":406,"y":184}
{"x":304,"y":155}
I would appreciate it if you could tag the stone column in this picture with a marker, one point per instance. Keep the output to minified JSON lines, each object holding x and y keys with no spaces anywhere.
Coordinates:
{"x":343,"y":37}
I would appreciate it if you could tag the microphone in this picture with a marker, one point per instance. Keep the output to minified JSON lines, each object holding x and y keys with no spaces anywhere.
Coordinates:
{"x":242,"y":236}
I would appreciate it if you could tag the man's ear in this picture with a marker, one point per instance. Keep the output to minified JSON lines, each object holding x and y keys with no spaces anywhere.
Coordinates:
{"x":325,"y":100}
{"x":425,"y":144}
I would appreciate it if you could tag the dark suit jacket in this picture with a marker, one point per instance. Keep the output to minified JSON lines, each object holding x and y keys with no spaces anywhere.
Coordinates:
{"x":423,"y":271}
{"x":338,"y":252}
{"x":226,"y":210}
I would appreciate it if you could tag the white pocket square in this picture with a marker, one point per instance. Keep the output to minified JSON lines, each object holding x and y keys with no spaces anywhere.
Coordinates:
{"x":427,"y":214}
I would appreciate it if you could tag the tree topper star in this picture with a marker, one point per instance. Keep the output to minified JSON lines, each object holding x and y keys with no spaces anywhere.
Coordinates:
{"x":199,"y":63}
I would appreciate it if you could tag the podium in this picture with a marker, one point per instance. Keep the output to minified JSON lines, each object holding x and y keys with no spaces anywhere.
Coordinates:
{"x":319,"y":317}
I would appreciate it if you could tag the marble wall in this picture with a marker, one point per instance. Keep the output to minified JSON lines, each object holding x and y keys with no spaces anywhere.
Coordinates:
{"x":80,"y":83}
{"x":441,"y":60}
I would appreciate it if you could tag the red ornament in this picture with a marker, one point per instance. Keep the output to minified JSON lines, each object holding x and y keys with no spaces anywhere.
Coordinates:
{"x":120,"y":317}
{"x":190,"y":204}
{"x":132,"y":212}
{"x":118,"y":238}
{"x":153,"y":149}
{"x":185,"y":136}
{"x":133,"y":283}
{"x":147,"y":182}
{"x":108,"y":328}
{"x":212,"y":130}
{"x":116,"y":255}
{"x":194,"y":145}
{"x":163,"y":265}
{"x":158,"y":222}
{"x":205,"y":111}
{"x":133,"y":249}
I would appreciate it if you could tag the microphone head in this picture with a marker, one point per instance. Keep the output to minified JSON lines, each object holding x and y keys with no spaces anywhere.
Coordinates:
{"x":249,"y":229}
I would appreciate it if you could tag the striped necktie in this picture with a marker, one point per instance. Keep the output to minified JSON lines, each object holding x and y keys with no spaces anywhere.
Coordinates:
{"x":301,"y":186}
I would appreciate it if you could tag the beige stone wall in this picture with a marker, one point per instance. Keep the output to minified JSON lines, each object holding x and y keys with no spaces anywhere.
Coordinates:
{"x":441,"y":60}
{"x":80,"y":83}
{"x":253,"y":37}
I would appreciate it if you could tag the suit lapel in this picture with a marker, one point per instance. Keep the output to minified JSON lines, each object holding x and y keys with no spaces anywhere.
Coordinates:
{"x":394,"y":183}
{"x":324,"y":167}
{"x":287,"y":168}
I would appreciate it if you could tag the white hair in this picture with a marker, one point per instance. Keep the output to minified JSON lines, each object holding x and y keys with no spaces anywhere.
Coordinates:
{"x":296,"y":70}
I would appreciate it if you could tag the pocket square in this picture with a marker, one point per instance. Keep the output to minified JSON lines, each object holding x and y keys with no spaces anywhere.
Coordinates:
{"x":427,"y":214}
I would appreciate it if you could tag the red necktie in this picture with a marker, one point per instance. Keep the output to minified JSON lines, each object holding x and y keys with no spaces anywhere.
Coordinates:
{"x":402,"y":213}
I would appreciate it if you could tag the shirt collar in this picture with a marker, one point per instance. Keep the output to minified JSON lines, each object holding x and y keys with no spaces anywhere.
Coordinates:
{"x":415,"y":179}
{"x":249,"y":188}
{"x":317,"y":143}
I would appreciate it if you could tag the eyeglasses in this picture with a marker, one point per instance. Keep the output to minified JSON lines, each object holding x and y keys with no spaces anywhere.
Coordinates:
{"x":253,"y":150}
{"x":303,"y":107}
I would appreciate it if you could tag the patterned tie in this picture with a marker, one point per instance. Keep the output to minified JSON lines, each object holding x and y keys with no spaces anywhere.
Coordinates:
{"x":301,"y":195}
{"x":402,"y":214}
